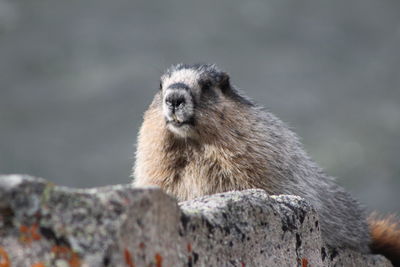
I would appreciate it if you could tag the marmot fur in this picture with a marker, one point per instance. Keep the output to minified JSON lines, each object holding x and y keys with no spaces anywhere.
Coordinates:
{"x":201,"y":136}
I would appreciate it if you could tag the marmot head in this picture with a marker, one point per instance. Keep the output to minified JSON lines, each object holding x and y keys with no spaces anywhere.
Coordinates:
{"x":190,"y":94}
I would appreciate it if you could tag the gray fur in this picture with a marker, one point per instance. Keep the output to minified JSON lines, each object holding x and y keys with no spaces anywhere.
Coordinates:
{"x":343,"y":220}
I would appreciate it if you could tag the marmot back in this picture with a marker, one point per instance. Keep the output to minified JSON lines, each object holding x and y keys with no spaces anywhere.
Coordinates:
{"x":202,"y":136}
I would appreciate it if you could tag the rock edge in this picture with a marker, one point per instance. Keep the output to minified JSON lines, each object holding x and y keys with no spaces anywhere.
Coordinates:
{"x":46,"y":225}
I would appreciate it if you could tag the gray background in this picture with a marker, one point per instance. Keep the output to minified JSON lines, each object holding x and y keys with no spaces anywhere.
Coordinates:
{"x":76,"y":77}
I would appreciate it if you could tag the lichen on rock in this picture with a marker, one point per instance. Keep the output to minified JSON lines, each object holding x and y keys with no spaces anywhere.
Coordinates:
{"x":46,"y":225}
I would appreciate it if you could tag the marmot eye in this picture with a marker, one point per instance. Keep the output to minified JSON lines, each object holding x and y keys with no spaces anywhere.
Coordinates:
{"x":160,"y":85}
{"x":206,"y":85}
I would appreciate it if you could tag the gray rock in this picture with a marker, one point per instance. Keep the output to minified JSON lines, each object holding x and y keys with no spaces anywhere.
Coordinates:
{"x":49,"y":225}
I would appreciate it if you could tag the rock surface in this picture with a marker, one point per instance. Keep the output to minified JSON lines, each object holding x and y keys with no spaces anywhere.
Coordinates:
{"x":46,"y":225}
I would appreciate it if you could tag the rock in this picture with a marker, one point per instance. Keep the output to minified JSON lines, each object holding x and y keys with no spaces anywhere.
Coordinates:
{"x":46,"y":225}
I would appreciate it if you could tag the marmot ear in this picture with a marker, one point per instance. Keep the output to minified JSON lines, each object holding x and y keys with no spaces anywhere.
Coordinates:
{"x":223,"y":82}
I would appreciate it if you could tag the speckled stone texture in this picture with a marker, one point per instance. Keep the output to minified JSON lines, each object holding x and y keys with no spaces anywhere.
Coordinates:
{"x":46,"y":225}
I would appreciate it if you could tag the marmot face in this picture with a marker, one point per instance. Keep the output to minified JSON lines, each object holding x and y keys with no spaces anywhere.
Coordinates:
{"x":188,"y":93}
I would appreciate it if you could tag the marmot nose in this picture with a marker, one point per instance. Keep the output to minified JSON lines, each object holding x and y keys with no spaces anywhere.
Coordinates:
{"x":175,"y":101}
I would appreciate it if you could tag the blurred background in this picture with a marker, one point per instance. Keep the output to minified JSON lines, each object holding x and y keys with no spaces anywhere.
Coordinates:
{"x":76,"y":77}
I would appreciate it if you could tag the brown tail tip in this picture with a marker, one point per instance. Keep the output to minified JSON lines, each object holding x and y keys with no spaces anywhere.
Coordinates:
{"x":385,"y":233}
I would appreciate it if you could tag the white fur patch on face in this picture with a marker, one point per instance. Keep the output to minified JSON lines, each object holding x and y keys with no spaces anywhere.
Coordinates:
{"x":186,"y":76}
{"x":182,"y":132}
{"x":190,"y":78}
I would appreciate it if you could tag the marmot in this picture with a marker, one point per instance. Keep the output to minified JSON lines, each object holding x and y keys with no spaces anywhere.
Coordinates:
{"x":202,"y":136}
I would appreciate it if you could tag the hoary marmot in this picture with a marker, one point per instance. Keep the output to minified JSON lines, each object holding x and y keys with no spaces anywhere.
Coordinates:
{"x":202,"y":136}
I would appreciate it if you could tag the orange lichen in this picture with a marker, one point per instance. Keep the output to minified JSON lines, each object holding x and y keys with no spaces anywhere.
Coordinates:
{"x":39,"y":264}
{"x":66,"y":253}
{"x":60,"y":251}
{"x":4,"y":260}
{"x":128,"y":258}
{"x":34,"y":233}
{"x":189,"y":247}
{"x":29,"y":233}
{"x":24,"y":229}
{"x":304,"y":262}
{"x":74,"y":260}
{"x":158,"y":259}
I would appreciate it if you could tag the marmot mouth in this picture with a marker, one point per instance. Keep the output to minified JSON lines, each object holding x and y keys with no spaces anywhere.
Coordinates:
{"x":178,"y":124}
